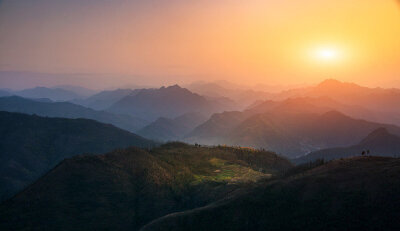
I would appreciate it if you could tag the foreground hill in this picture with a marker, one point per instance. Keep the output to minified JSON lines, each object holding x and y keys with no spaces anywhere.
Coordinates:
{"x":379,"y":143}
{"x":31,"y":145}
{"x":68,"y":110}
{"x":289,"y":133}
{"x":361,"y":193}
{"x":125,"y":189}
{"x":168,"y":102}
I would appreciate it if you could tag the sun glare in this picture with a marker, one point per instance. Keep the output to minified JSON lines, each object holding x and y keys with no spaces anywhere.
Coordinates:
{"x":327,"y":53}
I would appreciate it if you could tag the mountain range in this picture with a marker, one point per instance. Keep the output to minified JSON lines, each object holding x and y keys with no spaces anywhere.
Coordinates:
{"x":385,"y":103}
{"x":289,"y":133}
{"x":62,"y":170}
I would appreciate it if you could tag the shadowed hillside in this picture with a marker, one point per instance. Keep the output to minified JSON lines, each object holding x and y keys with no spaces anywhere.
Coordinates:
{"x":361,"y":193}
{"x":32,"y":145}
{"x":125,"y":189}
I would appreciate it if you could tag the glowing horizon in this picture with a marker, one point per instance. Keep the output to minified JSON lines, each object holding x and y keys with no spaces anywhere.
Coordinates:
{"x":274,"y":42}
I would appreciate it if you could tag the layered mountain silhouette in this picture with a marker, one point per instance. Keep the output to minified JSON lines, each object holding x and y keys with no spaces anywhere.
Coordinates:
{"x":164,"y":129}
{"x":282,"y":131}
{"x":104,"y":99}
{"x":31,"y":145}
{"x":125,"y":189}
{"x":378,"y":143}
{"x":83,"y":92}
{"x":242,"y":96}
{"x":350,"y":194}
{"x":4,"y":93}
{"x":68,"y":110}
{"x":385,"y":103}
{"x":55,"y":94}
{"x":168,"y":102}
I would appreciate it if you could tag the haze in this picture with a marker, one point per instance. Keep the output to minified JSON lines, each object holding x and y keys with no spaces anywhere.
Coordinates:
{"x":115,"y":43}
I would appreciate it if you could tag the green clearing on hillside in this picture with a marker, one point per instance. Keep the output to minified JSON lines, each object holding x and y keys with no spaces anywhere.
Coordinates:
{"x":219,"y":164}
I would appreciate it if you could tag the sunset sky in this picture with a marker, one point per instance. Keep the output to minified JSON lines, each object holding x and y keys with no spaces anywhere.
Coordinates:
{"x":180,"y":41}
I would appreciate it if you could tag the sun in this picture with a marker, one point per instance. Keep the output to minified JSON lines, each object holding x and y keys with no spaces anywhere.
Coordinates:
{"x":327,"y":54}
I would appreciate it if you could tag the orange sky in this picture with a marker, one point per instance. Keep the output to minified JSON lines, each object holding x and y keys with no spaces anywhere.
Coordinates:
{"x":168,"y":41}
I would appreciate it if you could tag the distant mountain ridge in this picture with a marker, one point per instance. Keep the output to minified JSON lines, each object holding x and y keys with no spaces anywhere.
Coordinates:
{"x":55,"y":94}
{"x":104,"y":99}
{"x":164,"y":129}
{"x":68,"y":110}
{"x":378,"y":143}
{"x":289,"y":133}
{"x":242,"y":96}
{"x":385,"y":103}
{"x":168,"y":102}
{"x":31,"y":145}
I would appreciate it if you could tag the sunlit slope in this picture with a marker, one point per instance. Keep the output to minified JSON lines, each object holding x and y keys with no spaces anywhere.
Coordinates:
{"x":126,"y":189}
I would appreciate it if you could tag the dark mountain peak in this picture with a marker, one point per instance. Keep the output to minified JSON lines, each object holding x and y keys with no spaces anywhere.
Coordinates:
{"x":330,"y":82}
{"x":380,"y":135}
{"x":336,"y":85}
{"x":172,"y":87}
{"x":379,"y":131}
{"x":333,"y":114}
{"x":163,"y":120}
{"x":177,"y":89}
{"x":170,"y":102}
{"x":176,"y":86}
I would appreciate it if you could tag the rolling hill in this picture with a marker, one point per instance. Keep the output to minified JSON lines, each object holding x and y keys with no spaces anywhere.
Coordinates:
{"x":125,"y":189}
{"x":379,"y":143}
{"x":69,"y":110}
{"x":361,"y":193}
{"x":31,"y":145}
